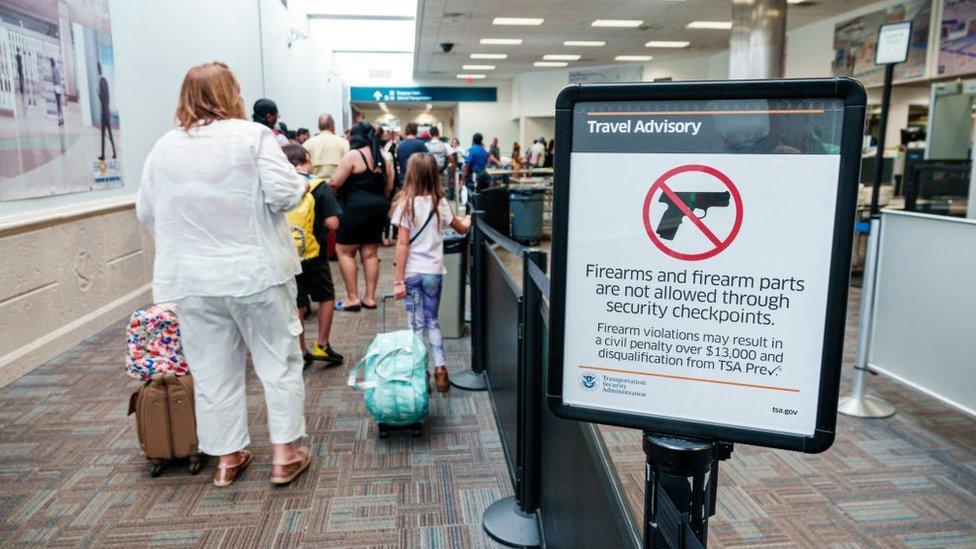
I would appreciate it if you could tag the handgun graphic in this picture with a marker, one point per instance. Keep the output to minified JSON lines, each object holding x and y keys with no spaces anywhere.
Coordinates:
{"x":673,"y":216}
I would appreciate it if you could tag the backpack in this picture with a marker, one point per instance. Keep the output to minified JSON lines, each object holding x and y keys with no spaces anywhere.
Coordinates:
{"x":439,"y":151}
{"x":153,"y":343}
{"x":394,"y":378}
{"x":301,"y":222}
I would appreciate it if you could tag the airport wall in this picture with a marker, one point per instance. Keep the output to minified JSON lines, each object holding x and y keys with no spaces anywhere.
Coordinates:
{"x":488,"y":118}
{"x":534,"y":92}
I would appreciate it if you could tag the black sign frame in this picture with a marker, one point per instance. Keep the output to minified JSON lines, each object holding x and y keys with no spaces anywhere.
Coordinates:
{"x":854,"y":99}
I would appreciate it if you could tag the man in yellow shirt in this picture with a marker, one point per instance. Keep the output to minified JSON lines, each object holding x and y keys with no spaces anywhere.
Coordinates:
{"x":326,"y":148}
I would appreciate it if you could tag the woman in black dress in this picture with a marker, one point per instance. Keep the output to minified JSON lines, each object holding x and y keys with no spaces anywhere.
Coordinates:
{"x":363,"y":182}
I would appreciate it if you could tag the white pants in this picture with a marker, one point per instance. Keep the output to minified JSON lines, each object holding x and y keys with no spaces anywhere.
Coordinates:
{"x":217,"y":332}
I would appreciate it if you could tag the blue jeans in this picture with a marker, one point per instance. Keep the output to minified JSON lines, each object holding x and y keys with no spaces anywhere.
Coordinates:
{"x":423,"y":301}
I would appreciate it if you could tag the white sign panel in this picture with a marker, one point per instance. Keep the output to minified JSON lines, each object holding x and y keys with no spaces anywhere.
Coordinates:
{"x":698,"y":259}
{"x":893,"y":43}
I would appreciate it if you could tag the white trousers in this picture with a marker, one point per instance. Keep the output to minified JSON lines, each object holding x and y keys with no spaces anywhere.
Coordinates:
{"x":217,"y":332}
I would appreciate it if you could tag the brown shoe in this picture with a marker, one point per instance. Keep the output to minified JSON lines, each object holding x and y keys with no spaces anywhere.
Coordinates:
{"x":284,"y":473}
{"x":226,"y":475}
{"x":441,"y":381}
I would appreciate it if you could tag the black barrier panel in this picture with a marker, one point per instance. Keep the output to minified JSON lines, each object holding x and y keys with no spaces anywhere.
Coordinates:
{"x":494,"y":203}
{"x":581,"y":502}
{"x":502,"y":350}
{"x":560,"y":469}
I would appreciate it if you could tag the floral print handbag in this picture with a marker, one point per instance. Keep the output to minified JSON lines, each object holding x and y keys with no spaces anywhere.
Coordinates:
{"x":153,"y":343}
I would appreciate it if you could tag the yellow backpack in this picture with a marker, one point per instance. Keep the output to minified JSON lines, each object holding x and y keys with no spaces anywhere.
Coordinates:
{"x":301,"y":221}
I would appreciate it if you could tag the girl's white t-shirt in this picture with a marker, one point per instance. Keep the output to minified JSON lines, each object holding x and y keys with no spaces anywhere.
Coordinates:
{"x":427,"y":250}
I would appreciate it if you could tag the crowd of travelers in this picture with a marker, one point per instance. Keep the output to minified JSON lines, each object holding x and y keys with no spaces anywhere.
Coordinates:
{"x":244,"y":213}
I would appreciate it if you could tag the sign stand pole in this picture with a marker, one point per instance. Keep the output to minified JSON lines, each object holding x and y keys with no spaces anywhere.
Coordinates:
{"x":676,"y":511}
{"x":859,"y":403}
{"x":475,"y":378}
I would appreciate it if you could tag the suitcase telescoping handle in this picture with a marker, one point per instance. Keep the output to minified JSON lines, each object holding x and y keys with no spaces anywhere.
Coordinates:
{"x":383,"y":301}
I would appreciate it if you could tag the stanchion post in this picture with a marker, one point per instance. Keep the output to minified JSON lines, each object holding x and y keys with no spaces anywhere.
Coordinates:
{"x":530,"y":383}
{"x":676,"y":511}
{"x":859,"y":403}
{"x":474,"y":379}
{"x":512,"y":521}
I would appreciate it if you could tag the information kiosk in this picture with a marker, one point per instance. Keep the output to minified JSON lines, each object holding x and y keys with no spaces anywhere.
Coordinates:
{"x":701,"y":256}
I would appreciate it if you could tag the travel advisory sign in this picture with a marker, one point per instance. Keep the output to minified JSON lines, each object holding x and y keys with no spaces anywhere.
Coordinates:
{"x":698,"y":291}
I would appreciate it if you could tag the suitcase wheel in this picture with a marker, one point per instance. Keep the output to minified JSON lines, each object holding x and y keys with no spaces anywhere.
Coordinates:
{"x":384,"y":430}
{"x":155,"y":469}
{"x":417,"y":430}
{"x":194,"y":466}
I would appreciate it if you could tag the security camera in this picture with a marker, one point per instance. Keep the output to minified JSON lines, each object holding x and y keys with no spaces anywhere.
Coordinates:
{"x":446,"y":47}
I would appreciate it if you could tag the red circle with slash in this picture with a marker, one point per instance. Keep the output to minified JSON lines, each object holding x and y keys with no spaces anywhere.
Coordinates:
{"x":662,"y":185}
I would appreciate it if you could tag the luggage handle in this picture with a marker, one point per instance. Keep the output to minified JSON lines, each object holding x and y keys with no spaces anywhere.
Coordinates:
{"x":383,"y":301}
{"x":353,"y":382}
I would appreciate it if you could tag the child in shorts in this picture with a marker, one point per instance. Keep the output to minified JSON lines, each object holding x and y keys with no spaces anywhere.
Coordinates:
{"x":315,"y":281}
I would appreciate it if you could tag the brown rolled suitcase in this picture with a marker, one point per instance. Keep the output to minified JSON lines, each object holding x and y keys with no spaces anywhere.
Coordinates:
{"x":166,"y":421}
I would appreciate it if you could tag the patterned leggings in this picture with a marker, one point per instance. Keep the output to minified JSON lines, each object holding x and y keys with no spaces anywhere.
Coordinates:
{"x":423,"y":301}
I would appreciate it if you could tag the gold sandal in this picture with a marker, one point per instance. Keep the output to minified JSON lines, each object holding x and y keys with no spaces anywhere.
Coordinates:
{"x":291,"y":471}
{"x":227,"y":474}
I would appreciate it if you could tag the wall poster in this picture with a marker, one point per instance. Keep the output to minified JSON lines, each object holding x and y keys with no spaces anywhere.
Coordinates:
{"x":59,"y":123}
{"x":957,"y":44}
{"x":855,"y":42}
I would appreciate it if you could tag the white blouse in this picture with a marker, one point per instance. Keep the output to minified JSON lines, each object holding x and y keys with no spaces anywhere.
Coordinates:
{"x":214,"y":200}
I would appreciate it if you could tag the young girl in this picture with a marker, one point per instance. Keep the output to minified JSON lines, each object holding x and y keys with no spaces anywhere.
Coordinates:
{"x":420,"y":212}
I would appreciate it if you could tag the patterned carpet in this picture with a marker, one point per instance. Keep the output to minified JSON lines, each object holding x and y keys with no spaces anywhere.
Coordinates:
{"x":71,"y":473}
{"x":905,"y":481}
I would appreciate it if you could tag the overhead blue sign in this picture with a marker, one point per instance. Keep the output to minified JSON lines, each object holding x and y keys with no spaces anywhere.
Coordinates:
{"x":424,"y":94}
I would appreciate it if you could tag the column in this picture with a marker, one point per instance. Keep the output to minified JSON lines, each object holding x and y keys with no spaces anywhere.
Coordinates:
{"x":757,"y":47}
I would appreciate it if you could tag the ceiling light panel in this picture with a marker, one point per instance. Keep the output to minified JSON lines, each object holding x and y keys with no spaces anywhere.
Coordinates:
{"x":710,"y":25}
{"x":501,"y":41}
{"x":585,"y":43}
{"x":471,"y":76}
{"x":667,"y":44}
{"x":489,"y":56}
{"x":561,"y":57}
{"x":478,"y":67}
{"x":518,"y":21}
{"x":633,"y":58}
{"x":617,"y":23}
{"x":550,"y":63}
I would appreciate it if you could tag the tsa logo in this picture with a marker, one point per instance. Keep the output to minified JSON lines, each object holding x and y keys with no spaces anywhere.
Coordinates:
{"x":588,"y":382}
